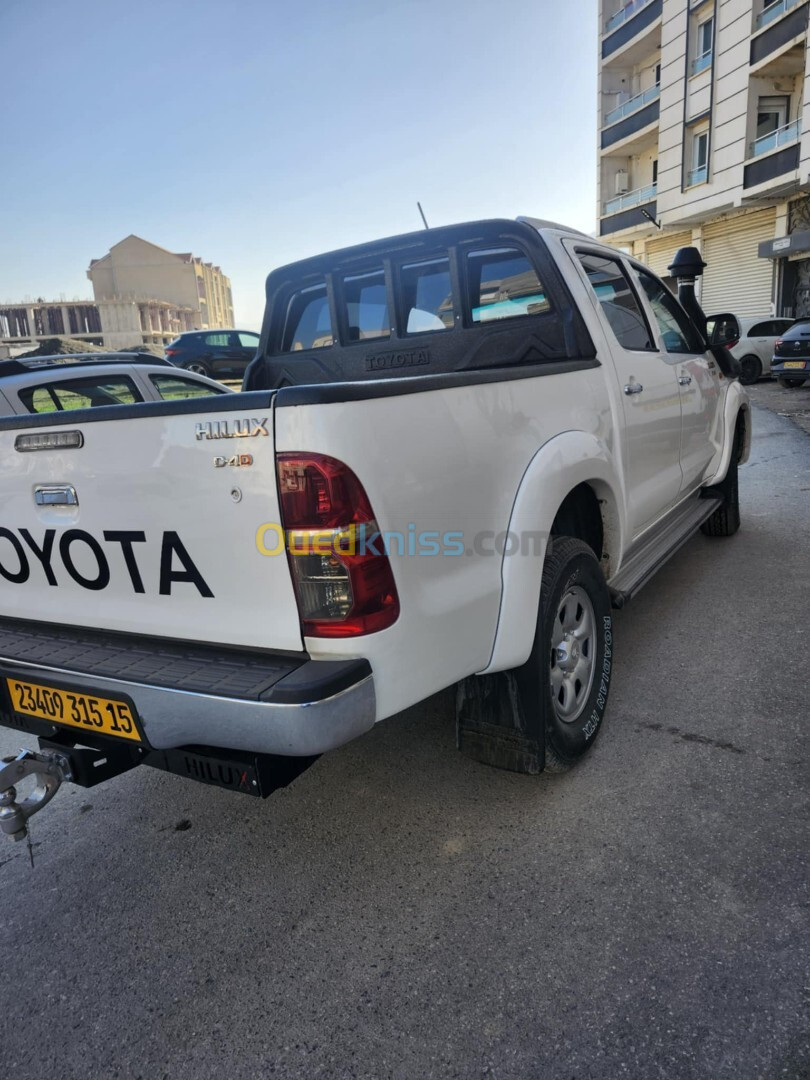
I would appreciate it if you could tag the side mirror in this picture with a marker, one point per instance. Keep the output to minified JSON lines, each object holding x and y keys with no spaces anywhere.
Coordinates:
{"x":723,"y":330}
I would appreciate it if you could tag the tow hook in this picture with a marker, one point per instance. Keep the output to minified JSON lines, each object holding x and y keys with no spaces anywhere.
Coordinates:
{"x":49,"y":768}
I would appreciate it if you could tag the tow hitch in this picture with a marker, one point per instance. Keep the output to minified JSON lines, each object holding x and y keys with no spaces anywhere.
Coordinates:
{"x":50,"y":769}
{"x":59,"y":759}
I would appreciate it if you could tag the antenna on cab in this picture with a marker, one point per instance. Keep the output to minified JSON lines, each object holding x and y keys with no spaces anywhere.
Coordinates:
{"x":422,"y":212}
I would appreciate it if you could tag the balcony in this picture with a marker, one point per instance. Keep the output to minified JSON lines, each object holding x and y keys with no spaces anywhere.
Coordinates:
{"x":776,"y":139}
{"x":697,"y":176}
{"x":631,"y":199}
{"x":633,"y":105}
{"x":775,"y":11}
{"x":636,"y":23}
{"x":627,"y":12}
{"x":700,"y":63}
{"x":778,"y":26}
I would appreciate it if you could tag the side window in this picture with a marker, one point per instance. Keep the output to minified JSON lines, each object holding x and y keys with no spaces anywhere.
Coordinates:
{"x":79,"y":394}
{"x":427,"y":296}
{"x":503,"y":284}
{"x":248,"y":341}
{"x":308,"y":324}
{"x":217,"y":341}
{"x":172,"y":388}
{"x":618,"y":301}
{"x":677,"y":331}
{"x":366,"y":306}
{"x":763,"y":329}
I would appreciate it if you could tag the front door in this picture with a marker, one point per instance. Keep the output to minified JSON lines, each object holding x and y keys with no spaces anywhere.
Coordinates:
{"x":697,"y":378}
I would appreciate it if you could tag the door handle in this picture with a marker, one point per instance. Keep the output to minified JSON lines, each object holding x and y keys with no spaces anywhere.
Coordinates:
{"x":55,"y":495}
{"x":633,"y":388}
{"x":684,"y":380}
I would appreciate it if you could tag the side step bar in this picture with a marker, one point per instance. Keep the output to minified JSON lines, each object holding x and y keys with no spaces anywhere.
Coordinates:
{"x":659,"y":546}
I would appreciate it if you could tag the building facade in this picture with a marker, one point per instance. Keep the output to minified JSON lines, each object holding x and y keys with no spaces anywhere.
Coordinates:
{"x":195,"y":295}
{"x":703,"y":140}
{"x":144,"y":295}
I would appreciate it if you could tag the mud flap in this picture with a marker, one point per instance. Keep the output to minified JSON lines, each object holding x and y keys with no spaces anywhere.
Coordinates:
{"x":499,"y":720}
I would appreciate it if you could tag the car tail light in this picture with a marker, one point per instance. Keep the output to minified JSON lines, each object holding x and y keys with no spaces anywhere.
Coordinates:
{"x":732,"y":344}
{"x":342,"y":589}
{"x":777,"y":343}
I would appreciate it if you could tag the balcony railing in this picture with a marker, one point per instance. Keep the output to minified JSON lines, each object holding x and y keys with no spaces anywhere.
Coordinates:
{"x":633,"y":105}
{"x":697,"y":176}
{"x":631,"y":198}
{"x":774,"y":11}
{"x":627,"y":12}
{"x":700,"y":63}
{"x":774,"y":139}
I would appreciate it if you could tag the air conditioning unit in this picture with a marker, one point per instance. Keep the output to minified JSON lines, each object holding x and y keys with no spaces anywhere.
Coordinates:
{"x":621,"y":182}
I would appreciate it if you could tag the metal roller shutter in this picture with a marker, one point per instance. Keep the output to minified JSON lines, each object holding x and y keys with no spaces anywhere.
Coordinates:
{"x":736,"y":279}
{"x":661,"y":251}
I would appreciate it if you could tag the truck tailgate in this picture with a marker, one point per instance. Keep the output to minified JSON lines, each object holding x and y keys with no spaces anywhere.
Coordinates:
{"x":150,"y":526}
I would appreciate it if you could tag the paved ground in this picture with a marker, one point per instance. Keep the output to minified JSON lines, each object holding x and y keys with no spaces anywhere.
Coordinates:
{"x":403,"y":912}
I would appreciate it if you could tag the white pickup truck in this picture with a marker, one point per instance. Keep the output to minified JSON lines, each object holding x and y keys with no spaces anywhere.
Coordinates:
{"x":454,"y":452}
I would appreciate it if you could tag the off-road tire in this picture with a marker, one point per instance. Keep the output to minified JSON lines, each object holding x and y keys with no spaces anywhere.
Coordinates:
{"x":750,"y":369}
{"x":571,"y":570}
{"x":725,"y":521}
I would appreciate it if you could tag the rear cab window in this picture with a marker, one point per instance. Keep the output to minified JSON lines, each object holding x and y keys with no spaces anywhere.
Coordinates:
{"x":477,"y":296}
{"x":503,"y":284}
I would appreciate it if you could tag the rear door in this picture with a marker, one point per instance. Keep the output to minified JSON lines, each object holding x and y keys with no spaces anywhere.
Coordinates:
{"x":162,"y":519}
{"x":647,"y":383}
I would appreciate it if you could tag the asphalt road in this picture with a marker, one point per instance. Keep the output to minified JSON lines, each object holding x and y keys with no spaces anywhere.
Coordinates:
{"x":403,"y":912}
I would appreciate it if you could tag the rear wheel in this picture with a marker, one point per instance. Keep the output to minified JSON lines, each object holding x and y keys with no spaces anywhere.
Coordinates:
{"x":750,"y":369}
{"x":198,"y":367}
{"x":550,"y":709}
{"x":790,"y":384}
{"x":573,"y":650}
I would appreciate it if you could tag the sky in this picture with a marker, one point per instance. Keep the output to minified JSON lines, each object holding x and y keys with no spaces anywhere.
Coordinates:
{"x":254,"y":132}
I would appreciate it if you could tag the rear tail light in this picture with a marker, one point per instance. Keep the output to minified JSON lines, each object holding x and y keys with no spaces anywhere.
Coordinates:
{"x":732,"y":344}
{"x":342,"y":590}
{"x":777,"y":343}
{"x":171,"y":352}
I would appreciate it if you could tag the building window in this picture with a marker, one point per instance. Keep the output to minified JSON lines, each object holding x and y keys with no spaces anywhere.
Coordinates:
{"x":703,"y":45}
{"x":699,"y":172}
{"x":772,"y":114}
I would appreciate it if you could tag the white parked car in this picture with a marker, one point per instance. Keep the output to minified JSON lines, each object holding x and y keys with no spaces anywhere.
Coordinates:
{"x":751,"y":341}
{"x":46,"y":384}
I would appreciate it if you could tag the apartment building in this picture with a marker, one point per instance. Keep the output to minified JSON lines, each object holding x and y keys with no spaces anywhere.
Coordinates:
{"x":136,"y":270}
{"x":703,"y":141}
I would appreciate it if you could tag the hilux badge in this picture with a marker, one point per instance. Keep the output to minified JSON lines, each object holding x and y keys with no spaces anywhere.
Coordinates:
{"x":232,"y":429}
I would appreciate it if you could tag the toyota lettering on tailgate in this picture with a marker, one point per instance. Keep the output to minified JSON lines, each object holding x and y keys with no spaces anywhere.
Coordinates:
{"x":23,"y":554}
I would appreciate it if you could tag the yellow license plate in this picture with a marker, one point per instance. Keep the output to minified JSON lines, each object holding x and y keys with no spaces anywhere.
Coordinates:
{"x":793,"y":363}
{"x":101,"y":715}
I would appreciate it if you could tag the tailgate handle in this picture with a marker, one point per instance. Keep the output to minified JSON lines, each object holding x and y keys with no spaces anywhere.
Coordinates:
{"x":55,"y":495}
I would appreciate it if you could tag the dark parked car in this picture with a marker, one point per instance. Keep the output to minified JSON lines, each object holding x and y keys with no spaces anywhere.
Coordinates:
{"x":218,"y":353}
{"x":791,"y":355}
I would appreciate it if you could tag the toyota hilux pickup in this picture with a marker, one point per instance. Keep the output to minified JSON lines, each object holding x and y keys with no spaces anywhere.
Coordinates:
{"x":454,"y":453}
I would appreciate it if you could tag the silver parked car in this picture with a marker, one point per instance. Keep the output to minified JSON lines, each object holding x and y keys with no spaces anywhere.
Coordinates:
{"x":751,"y":341}
{"x":45,"y":384}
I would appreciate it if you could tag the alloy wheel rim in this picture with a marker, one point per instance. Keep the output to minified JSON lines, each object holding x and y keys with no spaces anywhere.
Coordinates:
{"x":572,"y":661}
